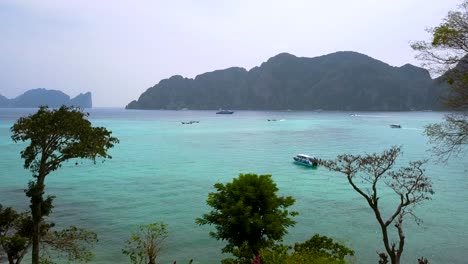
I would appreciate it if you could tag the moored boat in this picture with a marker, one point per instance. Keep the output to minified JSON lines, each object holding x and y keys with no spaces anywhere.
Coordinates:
{"x":306,"y":160}
{"x":225,"y":112}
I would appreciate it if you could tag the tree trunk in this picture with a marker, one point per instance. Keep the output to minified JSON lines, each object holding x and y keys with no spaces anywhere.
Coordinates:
{"x":10,"y":259}
{"x":37,"y":217}
{"x":36,"y":191}
{"x":395,"y":259}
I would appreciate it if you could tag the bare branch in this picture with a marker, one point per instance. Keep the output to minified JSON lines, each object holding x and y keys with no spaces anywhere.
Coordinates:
{"x":449,"y":137}
{"x":409,"y":184}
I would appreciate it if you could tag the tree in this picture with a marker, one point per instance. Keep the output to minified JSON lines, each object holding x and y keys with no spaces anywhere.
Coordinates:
{"x":449,"y":137}
{"x":448,"y":45}
{"x":317,"y":250}
{"x":447,"y":55}
{"x":15,"y":234}
{"x":16,"y":237}
{"x":323,"y":246}
{"x":145,"y":245}
{"x":72,"y":243}
{"x":55,"y":136}
{"x":248,"y":214}
{"x":365,"y":174}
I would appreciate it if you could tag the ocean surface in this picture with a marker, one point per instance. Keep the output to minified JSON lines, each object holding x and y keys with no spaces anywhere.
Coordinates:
{"x":163,"y":170}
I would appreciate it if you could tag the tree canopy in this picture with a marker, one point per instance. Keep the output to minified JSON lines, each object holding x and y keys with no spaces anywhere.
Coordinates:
{"x":57,"y":135}
{"x":317,"y":250}
{"x":448,"y":45}
{"x":248,"y":214}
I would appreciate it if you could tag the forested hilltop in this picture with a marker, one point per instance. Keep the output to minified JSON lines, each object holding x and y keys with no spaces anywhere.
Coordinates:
{"x":338,"y":81}
{"x":41,"y":96}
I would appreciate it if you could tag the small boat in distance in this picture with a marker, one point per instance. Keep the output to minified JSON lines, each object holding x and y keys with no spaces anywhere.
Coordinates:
{"x":395,"y":126}
{"x":305,"y":160}
{"x":189,"y":122}
{"x":225,"y":112}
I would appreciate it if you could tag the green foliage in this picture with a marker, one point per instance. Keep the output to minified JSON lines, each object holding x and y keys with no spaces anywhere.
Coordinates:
{"x":248,"y":214}
{"x":55,"y":136}
{"x":243,"y":255}
{"x":16,"y":229}
{"x":323,"y":246}
{"x":15,"y":233}
{"x":58,"y":135}
{"x":317,"y":250}
{"x":145,"y":245}
{"x":73,"y":244}
{"x":35,"y":192}
{"x":447,"y":46}
{"x":282,"y":257}
{"x":444,"y":35}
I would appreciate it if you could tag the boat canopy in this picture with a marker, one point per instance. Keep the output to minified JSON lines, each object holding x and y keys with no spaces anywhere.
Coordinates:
{"x":305,"y":156}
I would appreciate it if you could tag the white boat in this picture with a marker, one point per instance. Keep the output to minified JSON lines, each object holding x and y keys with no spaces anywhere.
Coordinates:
{"x":306,"y":160}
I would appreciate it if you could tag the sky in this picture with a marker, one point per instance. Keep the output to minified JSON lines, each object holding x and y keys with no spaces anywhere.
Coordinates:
{"x":117,"y":49}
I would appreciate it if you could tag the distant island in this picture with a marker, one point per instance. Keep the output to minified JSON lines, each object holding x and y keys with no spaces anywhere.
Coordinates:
{"x":344,"y":80}
{"x":52,"y":98}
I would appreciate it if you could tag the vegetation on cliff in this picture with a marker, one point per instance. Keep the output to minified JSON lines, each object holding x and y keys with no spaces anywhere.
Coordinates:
{"x":337,"y":81}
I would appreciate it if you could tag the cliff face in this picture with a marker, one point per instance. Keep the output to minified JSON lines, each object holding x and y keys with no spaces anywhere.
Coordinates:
{"x":338,"y":81}
{"x":52,"y":98}
{"x":82,"y":100}
{"x":41,"y":96}
{"x":4,"y":102}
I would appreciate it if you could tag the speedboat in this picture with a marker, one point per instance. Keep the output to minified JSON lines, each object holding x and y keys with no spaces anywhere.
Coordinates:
{"x":395,"y":126}
{"x":225,"y":112}
{"x":306,"y":160}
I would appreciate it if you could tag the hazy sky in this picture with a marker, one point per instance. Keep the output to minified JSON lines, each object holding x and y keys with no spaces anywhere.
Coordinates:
{"x":118,"y":49}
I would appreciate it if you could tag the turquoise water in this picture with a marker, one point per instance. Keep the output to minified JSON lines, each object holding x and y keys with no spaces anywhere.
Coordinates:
{"x":163,"y":170}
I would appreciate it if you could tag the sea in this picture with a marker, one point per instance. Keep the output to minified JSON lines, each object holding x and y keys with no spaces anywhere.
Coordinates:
{"x":162,"y":171}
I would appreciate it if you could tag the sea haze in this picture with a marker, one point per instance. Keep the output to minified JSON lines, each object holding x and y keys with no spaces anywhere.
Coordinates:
{"x":163,"y":170}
